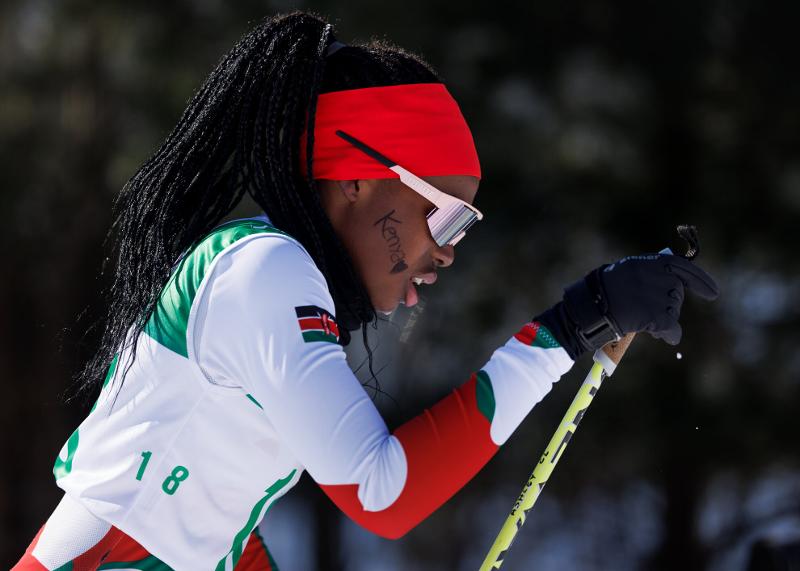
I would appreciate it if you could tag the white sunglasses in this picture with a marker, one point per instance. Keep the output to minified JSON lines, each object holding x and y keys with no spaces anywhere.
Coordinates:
{"x":451,"y":217}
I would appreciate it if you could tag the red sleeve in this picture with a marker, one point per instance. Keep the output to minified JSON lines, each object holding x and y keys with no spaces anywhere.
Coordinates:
{"x":445,"y":447}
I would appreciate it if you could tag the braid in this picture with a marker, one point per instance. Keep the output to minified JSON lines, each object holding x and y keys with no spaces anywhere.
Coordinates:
{"x":241,"y":133}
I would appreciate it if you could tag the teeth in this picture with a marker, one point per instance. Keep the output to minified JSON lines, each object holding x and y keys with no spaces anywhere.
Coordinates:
{"x":417,"y":281}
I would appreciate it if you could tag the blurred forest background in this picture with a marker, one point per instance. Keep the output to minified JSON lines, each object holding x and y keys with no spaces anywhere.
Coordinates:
{"x":601,"y":126}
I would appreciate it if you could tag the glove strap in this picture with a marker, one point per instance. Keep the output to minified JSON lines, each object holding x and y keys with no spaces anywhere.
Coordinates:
{"x":587,"y":308}
{"x":599,"y":334}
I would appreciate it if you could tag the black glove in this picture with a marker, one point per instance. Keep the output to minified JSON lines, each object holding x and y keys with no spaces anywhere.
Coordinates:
{"x":637,"y":293}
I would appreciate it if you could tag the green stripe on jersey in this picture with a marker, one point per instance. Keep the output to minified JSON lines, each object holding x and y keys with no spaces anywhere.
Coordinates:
{"x":168,"y":323}
{"x":254,"y":401}
{"x":237,"y":548}
{"x":112,"y":368}
{"x":310,"y":336}
{"x":151,"y":563}
{"x":485,"y":395}
{"x":63,"y":467}
{"x":545,"y":339}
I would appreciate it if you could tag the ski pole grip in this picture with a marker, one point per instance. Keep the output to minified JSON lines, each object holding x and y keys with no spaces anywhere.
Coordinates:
{"x":611,"y":353}
{"x":616,"y":349}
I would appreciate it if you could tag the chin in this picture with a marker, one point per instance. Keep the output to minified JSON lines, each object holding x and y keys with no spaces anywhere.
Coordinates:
{"x":385,"y":307}
{"x":388,"y":298}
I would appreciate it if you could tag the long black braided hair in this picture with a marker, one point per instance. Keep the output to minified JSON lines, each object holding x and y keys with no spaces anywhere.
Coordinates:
{"x":241,"y":133}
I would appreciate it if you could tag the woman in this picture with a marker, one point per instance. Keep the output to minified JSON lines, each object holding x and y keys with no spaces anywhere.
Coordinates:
{"x":225,"y":376}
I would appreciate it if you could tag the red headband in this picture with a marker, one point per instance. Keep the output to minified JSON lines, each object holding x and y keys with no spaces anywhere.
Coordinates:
{"x":419,"y":126}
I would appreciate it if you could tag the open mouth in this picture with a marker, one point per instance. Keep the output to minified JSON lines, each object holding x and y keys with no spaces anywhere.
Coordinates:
{"x":411,"y":296}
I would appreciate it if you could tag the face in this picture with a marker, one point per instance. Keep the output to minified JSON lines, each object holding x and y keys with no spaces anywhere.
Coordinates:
{"x":383,"y":225}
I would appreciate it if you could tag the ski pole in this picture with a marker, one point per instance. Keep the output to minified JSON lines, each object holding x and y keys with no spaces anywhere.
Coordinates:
{"x":605,"y":361}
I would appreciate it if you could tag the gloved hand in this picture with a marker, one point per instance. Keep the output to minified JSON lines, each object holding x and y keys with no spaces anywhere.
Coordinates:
{"x":637,"y":293}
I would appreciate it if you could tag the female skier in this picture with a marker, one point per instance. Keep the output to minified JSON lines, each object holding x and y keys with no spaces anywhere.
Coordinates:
{"x":225,"y":376}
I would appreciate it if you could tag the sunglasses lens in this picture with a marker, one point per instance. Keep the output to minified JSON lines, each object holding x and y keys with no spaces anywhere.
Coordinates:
{"x":448,"y":224}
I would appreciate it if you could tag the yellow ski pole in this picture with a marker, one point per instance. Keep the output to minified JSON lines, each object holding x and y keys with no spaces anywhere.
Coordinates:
{"x":605,"y":361}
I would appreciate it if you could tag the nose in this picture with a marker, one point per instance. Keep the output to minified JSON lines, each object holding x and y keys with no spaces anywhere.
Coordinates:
{"x":443,"y":256}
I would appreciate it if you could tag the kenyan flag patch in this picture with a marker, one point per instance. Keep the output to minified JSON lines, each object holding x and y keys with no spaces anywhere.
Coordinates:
{"x":536,"y":335}
{"x":316,"y":324}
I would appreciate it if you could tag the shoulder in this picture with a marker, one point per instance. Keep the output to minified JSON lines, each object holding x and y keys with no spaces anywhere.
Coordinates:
{"x":262,"y":238}
{"x":249,"y":313}
{"x":243,"y":268}
{"x":270,"y":257}
{"x":258,"y":262}
{"x":245,"y":252}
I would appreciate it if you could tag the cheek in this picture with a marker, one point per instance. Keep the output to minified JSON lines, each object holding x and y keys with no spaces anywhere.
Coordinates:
{"x":399,"y":239}
{"x":395,"y":245}
{"x":388,"y":241}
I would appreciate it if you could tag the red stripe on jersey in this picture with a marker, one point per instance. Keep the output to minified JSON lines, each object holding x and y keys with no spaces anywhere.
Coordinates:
{"x":255,"y":556}
{"x":98,"y":554}
{"x":307,"y":323}
{"x":527,"y":334}
{"x":445,"y":447}
{"x":322,"y":323}
{"x":87,"y":561}
{"x":126,"y":549}
{"x":117,"y":547}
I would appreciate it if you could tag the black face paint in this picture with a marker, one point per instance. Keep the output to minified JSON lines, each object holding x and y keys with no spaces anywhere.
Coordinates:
{"x":390,"y":235}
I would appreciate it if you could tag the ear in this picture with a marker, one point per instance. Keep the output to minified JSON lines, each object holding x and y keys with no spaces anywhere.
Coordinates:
{"x":349,"y":189}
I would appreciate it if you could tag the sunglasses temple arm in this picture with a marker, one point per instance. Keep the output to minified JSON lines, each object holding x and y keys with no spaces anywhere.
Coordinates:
{"x":422,"y":187}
